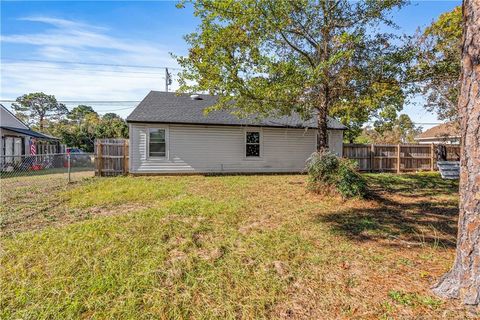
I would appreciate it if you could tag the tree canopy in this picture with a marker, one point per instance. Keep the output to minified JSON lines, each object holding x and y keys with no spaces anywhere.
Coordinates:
{"x":315,"y":58}
{"x":83,"y":125}
{"x":398,"y":130}
{"x":38,"y":108}
{"x":437,"y":67}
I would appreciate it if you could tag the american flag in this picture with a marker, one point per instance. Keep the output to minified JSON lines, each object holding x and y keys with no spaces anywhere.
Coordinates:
{"x":33,"y":147}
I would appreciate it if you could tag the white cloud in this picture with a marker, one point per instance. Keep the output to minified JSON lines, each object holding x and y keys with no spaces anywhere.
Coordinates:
{"x":68,"y":40}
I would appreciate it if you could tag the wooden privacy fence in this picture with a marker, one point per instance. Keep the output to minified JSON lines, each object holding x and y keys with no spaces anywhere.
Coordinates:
{"x":397,"y":158}
{"x":111,"y":157}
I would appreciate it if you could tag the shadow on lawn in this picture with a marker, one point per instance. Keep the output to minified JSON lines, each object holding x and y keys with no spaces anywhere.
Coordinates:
{"x":407,"y":209}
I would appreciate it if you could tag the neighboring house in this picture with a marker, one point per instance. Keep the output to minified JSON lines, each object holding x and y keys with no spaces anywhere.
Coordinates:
{"x":16,"y":139}
{"x":170,"y":133}
{"x":445,"y":133}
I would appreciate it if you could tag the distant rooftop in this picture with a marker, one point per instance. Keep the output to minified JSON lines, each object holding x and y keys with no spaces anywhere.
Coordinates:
{"x":168,"y":107}
{"x":444,"y":130}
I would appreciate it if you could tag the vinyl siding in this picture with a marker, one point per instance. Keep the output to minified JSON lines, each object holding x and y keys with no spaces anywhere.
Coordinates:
{"x":203,"y":149}
{"x":9,"y":120}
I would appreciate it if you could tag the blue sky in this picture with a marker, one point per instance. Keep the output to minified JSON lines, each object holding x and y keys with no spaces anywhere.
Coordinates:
{"x":119,"y":33}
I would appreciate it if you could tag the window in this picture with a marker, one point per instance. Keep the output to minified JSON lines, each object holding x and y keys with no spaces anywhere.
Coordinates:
{"x":157,"y":143}
{"x":252,"y":147}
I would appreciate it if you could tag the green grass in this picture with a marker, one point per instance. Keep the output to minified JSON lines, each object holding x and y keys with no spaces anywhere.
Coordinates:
{"x":230,"y":247}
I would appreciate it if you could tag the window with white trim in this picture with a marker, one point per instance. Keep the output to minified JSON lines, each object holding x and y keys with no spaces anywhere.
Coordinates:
{"x":157,"y":144}
{"x":252,"y":144}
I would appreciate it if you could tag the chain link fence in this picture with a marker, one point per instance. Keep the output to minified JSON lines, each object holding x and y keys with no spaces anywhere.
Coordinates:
{"x":64,"y":167}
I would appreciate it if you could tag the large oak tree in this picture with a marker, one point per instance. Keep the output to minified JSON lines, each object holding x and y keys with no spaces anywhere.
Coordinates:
{"x":463,"y":280}
{"x":315,"y":58}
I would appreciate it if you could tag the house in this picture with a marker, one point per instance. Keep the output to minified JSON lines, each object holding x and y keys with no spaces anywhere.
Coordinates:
{"x":445,"y":133}
{"x":17,"y":139}
{"x":170,"y":133}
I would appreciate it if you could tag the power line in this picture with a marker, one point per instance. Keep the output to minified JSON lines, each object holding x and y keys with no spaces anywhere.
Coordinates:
{"x":84,"y":101}
{"x":93,"y":70}
{"x":92,"y":63}
{"x":102,"y":111}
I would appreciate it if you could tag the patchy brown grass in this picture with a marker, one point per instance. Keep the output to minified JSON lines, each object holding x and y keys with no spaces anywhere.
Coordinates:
{"x":34,"y":202}
{"x":237,"y":247}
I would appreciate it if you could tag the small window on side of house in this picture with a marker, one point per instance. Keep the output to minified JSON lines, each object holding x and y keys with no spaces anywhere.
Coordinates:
{"x":252,"y":147}
{"x":157,"y":143}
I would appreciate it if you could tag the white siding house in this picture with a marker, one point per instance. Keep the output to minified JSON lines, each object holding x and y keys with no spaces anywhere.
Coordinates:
{"x":16,"y":137}
{"x":170,"y":134}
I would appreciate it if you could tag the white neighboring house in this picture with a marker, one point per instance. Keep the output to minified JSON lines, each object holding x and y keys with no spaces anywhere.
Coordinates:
{"x":16,"y":139}
{"x":445,"y":133}
{"x":170,"y":133}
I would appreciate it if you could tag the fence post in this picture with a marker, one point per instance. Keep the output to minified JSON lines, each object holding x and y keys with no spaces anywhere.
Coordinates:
{"x":398,"y":158}
{"x":372,"y":155}
{"x":432,"y":157}
{"x":99,"y":158}
{"x":125,"y":158}
{"x":69,"y":166}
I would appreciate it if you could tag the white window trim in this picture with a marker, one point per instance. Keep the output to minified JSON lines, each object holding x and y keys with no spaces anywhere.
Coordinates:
{"x":252,"y":129}
{"x":167,"y":143}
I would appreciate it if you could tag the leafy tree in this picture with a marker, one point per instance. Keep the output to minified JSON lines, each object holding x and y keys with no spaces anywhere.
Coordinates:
{"x":437,"y":67}
{"x":110,"y":116}
{"x":112,"y":126}
{"x":79,"y":113}
{"x":316,"y":58}
{"x":84,"y":125}
{"x":400,"y":130}
{"x":38,"y":108}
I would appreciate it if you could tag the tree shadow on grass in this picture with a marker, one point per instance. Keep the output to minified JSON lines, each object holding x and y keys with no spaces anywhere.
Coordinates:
{"x":405,"y":210}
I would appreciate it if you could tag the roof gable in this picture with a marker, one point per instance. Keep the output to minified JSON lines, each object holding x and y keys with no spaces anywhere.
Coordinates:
{"x":168,"y":107}
{"x":7,"y":118}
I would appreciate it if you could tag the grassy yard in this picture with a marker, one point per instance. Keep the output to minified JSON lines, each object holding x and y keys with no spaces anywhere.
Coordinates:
{"x":228,"y":247}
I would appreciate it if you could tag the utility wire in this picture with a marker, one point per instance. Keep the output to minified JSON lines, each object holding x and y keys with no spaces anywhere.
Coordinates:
{"x":92,"y":70}
{"x":85,"y":101}
{"x":92,"y":63}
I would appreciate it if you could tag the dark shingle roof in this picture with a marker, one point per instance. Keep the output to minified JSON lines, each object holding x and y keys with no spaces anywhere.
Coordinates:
{"x":30,"y":133}
{"x":168,"y":107}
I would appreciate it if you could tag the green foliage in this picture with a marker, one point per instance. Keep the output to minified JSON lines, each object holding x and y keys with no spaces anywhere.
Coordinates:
{"x":349,"y":182}
{"x":322,"y":167}
{"x":80,"y":112}
{"x":392,"y":131}
{"x":38,"y":108}
{"x":85,"y":125}
{"x":312,"y":57}
{"x":327,"y":173}
{"x":437,"y":67}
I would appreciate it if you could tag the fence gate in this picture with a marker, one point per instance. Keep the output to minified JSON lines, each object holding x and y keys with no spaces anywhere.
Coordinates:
{"x":111,"y":157}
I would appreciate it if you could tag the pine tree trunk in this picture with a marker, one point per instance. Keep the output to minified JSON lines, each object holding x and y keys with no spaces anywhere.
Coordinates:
{"x":463,"y":280}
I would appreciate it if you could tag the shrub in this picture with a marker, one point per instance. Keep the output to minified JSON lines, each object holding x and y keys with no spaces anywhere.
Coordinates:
{"x":349,"y":182}
{"x":329,"y":173}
